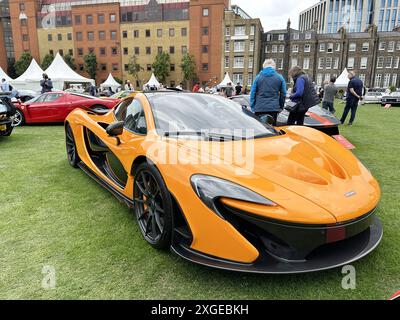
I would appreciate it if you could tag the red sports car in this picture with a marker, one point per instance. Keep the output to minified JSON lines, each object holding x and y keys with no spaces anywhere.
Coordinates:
{"x":52,"y":107}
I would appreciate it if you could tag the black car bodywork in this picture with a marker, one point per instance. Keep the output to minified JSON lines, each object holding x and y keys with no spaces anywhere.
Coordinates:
{"x":316,"y":117}
{"x":7,"y":112}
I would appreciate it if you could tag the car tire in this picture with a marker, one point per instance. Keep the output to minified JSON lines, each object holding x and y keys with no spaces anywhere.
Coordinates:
{"x":19,"y":119}
{"x":72,"y":153}
{"x":153,"y":207}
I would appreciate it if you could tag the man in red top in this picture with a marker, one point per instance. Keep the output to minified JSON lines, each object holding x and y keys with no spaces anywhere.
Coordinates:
{"x":196,"y":87}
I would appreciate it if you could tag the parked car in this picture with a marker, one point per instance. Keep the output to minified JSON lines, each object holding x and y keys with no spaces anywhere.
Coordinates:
{"x":316,"y":117}
{"x":393,"y":99}
{"x":303,"y":202}
{"x":373,"y":97}
{"x":7,"y":112}
{"x":55,"y":106}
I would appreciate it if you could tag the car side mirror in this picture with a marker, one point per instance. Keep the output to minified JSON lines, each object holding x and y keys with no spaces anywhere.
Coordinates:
{"x":115,"y":129}
{"x":268,"y":119}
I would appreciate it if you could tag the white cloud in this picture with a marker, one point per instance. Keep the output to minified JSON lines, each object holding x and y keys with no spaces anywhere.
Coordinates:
{"x":274,"y":14}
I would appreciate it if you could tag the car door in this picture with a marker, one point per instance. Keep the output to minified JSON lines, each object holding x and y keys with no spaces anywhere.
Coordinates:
{"x":57,"y":109}
{"x":44,"y":109}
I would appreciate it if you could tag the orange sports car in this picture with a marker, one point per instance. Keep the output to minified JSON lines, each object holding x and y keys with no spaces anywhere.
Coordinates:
{"x":221,"y":189}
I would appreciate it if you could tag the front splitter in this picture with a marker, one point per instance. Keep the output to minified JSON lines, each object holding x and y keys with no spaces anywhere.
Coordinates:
{"x":343,"y":253}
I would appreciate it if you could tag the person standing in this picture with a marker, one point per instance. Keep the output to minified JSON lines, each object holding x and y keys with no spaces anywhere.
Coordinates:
{"x":46,"y":84}
{"x":93,"y":90}
{"x":238,"y":89}
{"x":304,"y":94}
{"x":5,"y":87}
{"x":128,"y":85}
{"x":268,"y":92}
{"x":196,"y":87}
{"x":330,"y":92}
{"x":354,"y":95}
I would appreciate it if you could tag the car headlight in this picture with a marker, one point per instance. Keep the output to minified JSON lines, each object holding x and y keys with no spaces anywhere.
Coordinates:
{"x":209,"y":189}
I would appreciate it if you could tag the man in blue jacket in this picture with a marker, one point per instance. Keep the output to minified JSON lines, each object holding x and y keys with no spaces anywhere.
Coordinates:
{"x":268,"y":92}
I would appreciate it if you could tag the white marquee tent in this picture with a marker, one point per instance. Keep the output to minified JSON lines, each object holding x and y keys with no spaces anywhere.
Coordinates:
{"x":343,"y":80}
{"x":60,"y":73}
{"x":30,"y":79}
{"x":153,"y":82}
{"x":226,"y":80}
{"x":4,"y":75}
{"x":111,"y":82}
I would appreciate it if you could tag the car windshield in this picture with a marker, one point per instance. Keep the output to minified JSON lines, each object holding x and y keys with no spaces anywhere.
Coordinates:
{"x":185,"y":114}
{"x":121,"y":95}
{"x":3,"y":107}
{"x":396,"y":94}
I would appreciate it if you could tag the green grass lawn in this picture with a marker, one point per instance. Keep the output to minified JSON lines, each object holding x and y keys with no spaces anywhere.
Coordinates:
{"x":53,"y":215}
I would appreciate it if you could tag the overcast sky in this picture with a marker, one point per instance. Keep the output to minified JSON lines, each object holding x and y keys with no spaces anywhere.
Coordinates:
{"x":275,"y":13}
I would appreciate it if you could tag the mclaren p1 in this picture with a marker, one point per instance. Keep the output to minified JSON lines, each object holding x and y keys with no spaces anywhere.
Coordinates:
{"x":222,"y":189}
{"x":316,"y":117}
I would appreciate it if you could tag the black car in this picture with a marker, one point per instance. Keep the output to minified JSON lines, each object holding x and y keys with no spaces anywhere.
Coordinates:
{"x":393,"y":99}
{"x":316,"y":117}
{"x":7,"y":112}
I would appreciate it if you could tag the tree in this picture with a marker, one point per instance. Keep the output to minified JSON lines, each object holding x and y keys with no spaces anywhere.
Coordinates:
{"x":70,"y":61}
{"x":162,"y":66}
{"x":91,"y":65}
{"x":134,"y":68}
{"x":188,"y":66}
{"x":47,"y":60}
{"x":23,"y":63}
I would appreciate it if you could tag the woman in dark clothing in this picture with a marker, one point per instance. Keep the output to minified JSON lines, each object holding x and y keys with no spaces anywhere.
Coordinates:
{"x":304,"y":95}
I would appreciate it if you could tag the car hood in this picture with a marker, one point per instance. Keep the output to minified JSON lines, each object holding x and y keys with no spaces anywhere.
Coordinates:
{"x":292,"y":169}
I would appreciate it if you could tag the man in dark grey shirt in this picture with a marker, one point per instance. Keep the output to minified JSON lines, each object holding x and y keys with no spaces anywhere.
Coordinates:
{"x":330,"y":92}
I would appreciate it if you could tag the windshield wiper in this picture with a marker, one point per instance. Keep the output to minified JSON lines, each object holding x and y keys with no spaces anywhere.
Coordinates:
{"x":184,"y":133}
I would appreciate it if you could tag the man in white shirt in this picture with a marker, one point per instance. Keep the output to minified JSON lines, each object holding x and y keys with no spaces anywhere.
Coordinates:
{"x":5,"y":87}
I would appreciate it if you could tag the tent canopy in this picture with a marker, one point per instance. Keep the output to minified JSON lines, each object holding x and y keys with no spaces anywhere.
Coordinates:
{"x":226,"y":80}
{"x":110,"y":82}
{"x":343,"y":80}
{"x":60,"y":71}
{"x":33,"y":73}
{"x":4,"y":75}
{"x":153,"y":82}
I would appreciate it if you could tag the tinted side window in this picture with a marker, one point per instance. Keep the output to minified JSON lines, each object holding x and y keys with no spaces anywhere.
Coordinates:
{"x":135,"y":119}
{"x":120,"y":110}
{"x":52,"y":97}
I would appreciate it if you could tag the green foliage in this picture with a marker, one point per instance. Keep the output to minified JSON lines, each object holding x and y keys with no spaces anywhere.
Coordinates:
{"x":134,"y":68}
{"x":162,"y":66}
{"x":392,"y":88}
{"x":70,"y":61}
{"x":47,"y":60}
{"x":23,"y":63}
{"x":188,"y":66}
{"x":90,"y":65}
{"x":118,"y":80}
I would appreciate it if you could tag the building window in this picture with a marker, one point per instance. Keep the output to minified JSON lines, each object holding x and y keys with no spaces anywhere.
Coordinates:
{"x":336,"y":63}
{"x":328,"y":63}
{"x":295,"y":48}
{"x":25,"y":37}
{"x":148,"y":33}
{"x":294,"y":62}
{"x":113,"y":17}
{"x":321,"y":63}
{"x":378,"y":81}
{"x":227,"y":31}
{"x":251,"y":46}
{"x":396,"y":63}
{"x":24,"y":22}
{"x":90,"y":36}
{"x":279,"y":64}
{"x":240,"y":30}
{"x":394,"y":80}
{"x":391,"y":46}
{"x":386,"y":80}
{"x":148,"y":67}
{"x":252,"y":30}
{"x":124,"y":34}
{"x":184,"y":32}
{"x":102,"y":51}
{"x":126,"y":51}
{"x":205,"y":31}
{"x":91,"y":50}
{"x":281,"y":37}
{"x":205,"y":12}
{"x":337,"y":47}
{"x":51,"y":52}
{"x":226,"y":62}
{"x":184,"y":49}
{"x":274,"y":48}
{"x":352,"y":47}
{"x":249,"y":79}
{"x":171,"y":32}
{"x":71,"y":52}
{"x":159,"y":50}
{"x":126,"y":67}
{"x":103,"y":67}
{"x":22,"y":6}
{"x":89,"y":19}
{"x":59,"y":37}
{"x":379,"y":63}
{"x":80,"y":52}
{"x":100,"y":18}
{"x":296,"y":36}
{"x":307,"y":48}
{"x":238,"y":78}
{"x":281,"y":48}
{"x":239,"y":46}
{"x":382,"y":46}
{"x":238,"y":62}
{"x":159,"y":33}
{"x":137,"y":50}
{"x":205,"y":66}
{"x":389,"y":62}
{"x":115,"y":67}
{"x":251,"y":62}
{"x":81,"y":68}
{"x":136,"y":33}
{"x":172,"y":67}
{"x":269,"y":38}
{"x":204,"y":49}
{"x":172,"y":49}
{"x":77,"y":19}
{"x":322,"y":47}
{"x":69,"y":36}
{"x":227,"y":46}
{"x":148,"y":50}
{"x":364,"y":62}
{"x":267,"y":49}
{"x":102,"y":35}
{"x":49,"y":37}
{"x":308,"y":36}
{"x":350,"y":63}
{"x":114,"y":51}
{"x":113,"y":35}
{"x":361,"y":76}
{"x":398,"y":45}
{"x":78,"y":36}
{"x":365,"y":46}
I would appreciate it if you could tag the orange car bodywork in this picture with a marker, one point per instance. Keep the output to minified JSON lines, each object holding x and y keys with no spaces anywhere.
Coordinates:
{"x":312,"y":179}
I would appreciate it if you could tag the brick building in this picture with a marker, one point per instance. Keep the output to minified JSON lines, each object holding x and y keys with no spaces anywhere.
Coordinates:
{"x":374,"y":56}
